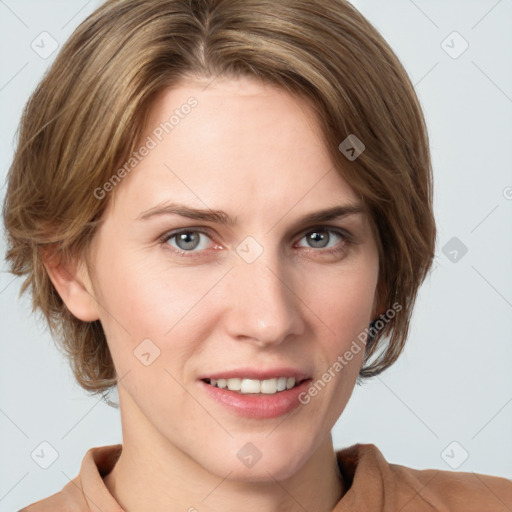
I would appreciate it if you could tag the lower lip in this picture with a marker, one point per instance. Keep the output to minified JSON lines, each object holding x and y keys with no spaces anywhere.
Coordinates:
{"x":257,"y":406}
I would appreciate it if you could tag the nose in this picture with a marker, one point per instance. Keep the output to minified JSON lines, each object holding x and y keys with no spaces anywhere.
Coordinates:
{"x":264,"y":307}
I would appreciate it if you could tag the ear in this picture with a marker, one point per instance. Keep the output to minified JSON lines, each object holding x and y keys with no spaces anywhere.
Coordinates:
{"x":73,"y":284}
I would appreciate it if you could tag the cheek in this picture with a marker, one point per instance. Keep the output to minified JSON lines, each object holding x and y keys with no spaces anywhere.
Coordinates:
{"x":145,"y":298}
{"x":343,"y":301}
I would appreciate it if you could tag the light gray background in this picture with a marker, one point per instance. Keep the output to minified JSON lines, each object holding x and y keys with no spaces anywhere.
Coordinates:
{"x":450,"y":394}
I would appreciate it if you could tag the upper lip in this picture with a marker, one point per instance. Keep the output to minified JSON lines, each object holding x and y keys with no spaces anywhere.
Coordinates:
{"x":257,"y":374}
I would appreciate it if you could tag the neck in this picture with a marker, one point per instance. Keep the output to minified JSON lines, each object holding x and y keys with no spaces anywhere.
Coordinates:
{"x":153,"y":475}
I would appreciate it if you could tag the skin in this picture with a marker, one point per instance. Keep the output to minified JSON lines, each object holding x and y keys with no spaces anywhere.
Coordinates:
{"x":255,"y":152}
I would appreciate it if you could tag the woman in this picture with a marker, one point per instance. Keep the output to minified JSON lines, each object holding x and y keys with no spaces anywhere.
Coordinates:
{"x":224,"y":209}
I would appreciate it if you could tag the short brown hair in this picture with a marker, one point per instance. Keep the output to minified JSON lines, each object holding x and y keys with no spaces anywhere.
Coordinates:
{"x":88,"y":112}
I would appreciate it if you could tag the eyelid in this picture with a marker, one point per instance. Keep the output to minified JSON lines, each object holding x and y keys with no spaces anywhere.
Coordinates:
{"x":346,"y":236}
{"x":207,"y":231}
{"x":171,"y":234}
{"x":326,"y":227}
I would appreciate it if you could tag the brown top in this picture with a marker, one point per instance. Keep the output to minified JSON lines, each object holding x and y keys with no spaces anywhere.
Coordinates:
{"x":372,"y":485}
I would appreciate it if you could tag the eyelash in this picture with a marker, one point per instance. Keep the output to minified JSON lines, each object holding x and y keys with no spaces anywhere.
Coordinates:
{"x":344,"y":235}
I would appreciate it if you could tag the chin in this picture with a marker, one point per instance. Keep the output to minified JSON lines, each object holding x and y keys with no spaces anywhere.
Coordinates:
{"x":255,"y":458}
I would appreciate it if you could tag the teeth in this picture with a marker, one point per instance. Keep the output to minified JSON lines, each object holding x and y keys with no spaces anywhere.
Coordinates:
{"x":234,"y":384}
{"x":250,"y":386}
{"x":269,"y":386}
{"x":245,"y":386}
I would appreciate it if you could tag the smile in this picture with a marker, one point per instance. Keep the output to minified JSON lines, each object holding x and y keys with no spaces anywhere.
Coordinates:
{"x":254,"y":386}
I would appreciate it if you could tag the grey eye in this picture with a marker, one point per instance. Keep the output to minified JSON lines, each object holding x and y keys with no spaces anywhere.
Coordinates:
{"x":187,"y":240}
{"x":320,"y":238}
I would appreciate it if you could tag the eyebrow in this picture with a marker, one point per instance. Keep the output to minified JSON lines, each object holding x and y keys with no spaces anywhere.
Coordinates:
{"x":221,"y":217}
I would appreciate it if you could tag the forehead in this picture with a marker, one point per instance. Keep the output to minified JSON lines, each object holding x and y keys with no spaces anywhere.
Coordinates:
{"x":244,"y":145}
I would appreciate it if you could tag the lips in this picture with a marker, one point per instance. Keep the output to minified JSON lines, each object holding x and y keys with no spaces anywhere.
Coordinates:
{"x":258,"y":374}
{"x":256,"y":405}
{"x":256,"y":381}
{"x":255,"y":386}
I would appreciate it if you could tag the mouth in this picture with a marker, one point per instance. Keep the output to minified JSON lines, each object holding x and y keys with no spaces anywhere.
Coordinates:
{"x":247,"y":386}
{"x":256,"y":393}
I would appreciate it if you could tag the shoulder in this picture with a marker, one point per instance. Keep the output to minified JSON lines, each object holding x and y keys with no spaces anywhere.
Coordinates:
{"x":374,"y":481}
{"x":87,"y":489}
{"x":69,"y":499}
{"x":458,"y":490}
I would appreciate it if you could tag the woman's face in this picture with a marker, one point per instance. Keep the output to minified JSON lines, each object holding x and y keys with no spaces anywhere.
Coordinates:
{"x":262,"y":297}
